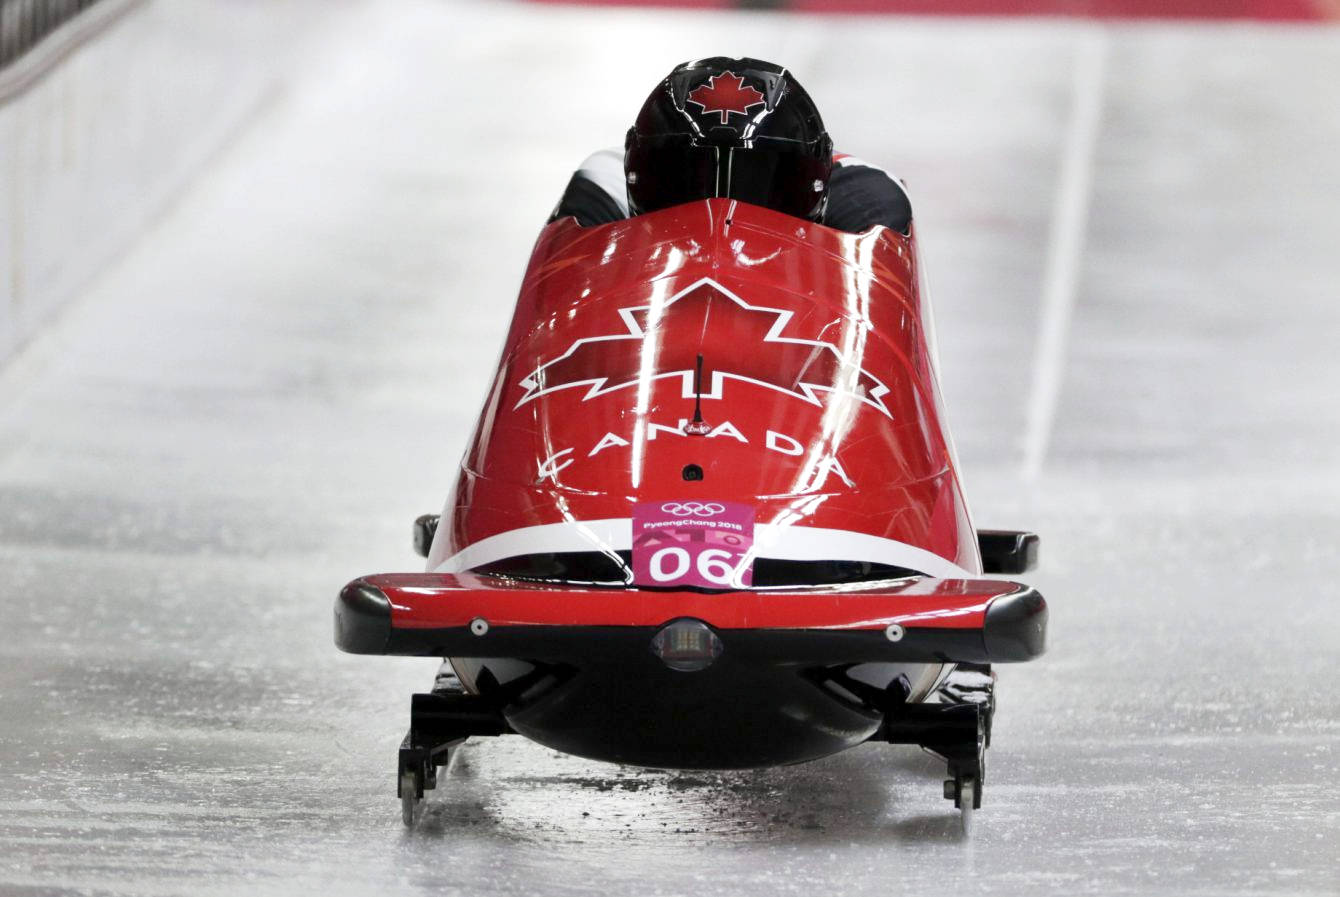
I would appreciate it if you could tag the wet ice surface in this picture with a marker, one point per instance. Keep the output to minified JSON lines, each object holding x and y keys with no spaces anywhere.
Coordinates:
{"x":250,"y":410}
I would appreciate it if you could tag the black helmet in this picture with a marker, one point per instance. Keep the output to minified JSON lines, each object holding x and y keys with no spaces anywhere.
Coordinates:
{"x":738,"y":128}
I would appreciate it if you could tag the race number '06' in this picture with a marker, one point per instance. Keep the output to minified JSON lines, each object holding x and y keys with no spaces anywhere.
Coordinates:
{"x":669,"y":564}
{"x":697,"y":543}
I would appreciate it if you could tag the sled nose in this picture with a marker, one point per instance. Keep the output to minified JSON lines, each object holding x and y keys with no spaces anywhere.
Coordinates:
{"x":468,"y":615}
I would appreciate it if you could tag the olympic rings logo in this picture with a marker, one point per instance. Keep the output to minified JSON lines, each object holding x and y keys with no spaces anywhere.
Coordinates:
{"x":693,"y":508}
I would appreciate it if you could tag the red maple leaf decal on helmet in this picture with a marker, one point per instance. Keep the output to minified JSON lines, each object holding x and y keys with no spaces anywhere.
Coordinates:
{"x":725,"y":93}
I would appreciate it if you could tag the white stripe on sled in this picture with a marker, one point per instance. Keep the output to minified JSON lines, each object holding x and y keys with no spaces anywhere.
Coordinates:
{"x":785,"y":542}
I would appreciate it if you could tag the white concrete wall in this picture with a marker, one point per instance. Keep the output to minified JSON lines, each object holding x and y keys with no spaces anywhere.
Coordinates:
{"x":97,"y":145}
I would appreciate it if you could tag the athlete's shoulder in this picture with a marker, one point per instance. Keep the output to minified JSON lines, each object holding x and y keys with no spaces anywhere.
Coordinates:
{"x":862,"y":195}
{"x":848,"y":161}
{"x":596,"y":193}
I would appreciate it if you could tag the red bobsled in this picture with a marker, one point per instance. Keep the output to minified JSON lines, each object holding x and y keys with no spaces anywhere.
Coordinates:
{"x":710,"y":516}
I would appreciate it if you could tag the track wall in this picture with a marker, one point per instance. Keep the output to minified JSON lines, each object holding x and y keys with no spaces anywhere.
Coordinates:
{"x":108,"y":116}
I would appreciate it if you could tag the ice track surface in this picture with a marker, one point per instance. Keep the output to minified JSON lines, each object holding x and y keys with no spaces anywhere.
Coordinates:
{"x":251,"y":407}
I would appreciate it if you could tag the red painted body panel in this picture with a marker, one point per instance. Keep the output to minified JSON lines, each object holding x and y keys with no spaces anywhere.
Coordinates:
{"x":437,"y":600}
{"x":819,"y":386}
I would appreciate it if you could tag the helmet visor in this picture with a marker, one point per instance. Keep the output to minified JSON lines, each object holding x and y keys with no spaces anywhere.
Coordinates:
{"x":668,"y":173}
{"x":783,"y":180}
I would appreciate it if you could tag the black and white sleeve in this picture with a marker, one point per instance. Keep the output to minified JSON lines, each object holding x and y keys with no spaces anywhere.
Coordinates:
{"x":596,"y":193}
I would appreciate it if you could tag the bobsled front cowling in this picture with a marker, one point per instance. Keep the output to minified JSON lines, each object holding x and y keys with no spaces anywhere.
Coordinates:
{"x":710,"y":516}
{"x":804,"y":352}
